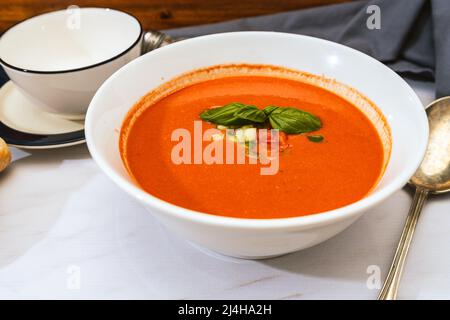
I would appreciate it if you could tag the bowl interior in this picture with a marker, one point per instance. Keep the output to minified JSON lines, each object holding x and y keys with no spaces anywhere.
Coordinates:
{"x":396,"y":100}
{"x":68,"y":39}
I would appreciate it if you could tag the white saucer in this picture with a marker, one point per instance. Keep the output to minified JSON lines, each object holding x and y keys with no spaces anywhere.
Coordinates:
{"x":24,"y":125}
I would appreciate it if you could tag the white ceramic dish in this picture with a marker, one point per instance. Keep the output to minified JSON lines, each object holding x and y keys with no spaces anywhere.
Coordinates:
{"x":259,"y":238}
{"x":24,"y":125}
{"x":60,"y":59}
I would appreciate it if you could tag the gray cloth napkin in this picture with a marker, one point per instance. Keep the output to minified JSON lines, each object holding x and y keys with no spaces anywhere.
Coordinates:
{"x":414,"y":38}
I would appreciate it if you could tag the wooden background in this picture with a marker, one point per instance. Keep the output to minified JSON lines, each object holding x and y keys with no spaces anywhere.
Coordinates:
{"x":160,"y":14}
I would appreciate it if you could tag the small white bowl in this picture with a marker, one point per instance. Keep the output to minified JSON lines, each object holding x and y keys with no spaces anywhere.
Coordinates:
{"x":259,"y":238}
{"x":59,"y":59}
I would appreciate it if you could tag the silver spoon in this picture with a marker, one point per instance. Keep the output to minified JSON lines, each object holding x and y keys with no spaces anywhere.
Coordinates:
{"x":153,"y":39}
{"x":432,"y":177}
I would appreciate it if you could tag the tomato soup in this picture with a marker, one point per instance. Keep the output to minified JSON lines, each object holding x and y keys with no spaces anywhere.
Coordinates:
{"x":320,"y":170}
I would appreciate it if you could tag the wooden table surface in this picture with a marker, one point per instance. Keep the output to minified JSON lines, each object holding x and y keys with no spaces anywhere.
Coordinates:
{"x":160,"y":14}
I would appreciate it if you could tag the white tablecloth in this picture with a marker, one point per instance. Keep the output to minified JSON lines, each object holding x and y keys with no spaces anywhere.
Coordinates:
{"x":66,"y":231}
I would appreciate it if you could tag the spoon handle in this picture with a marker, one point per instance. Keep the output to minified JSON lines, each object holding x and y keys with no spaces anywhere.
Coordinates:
{"x":153,"y":39}
{"x":391,"y":284}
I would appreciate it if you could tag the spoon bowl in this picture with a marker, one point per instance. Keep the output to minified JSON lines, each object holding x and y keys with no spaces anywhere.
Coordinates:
{"x":434,"y":172}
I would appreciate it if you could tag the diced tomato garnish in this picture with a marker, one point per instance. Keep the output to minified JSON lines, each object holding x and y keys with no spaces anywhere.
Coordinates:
{"x":282,"y":137}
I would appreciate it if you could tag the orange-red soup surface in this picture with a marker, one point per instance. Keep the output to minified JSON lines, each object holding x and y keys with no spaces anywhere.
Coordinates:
{"x":312,"y":177}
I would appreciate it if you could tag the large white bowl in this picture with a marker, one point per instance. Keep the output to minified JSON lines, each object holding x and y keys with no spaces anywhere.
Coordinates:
{"x":250,"y":238}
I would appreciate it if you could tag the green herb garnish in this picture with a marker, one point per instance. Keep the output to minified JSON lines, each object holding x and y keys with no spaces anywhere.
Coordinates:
{"x":315,"y":138}
{"x":293,"y":121}
{"x":251,"y":113}
{"x":269,"y":109}
{"x":286,"y":119}
{"x":225,"y":115}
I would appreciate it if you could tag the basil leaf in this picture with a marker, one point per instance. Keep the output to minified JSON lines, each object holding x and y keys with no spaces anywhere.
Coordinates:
{"x":269,"y":109}
{"x":251,"y":113}
{"x":289,"y":120}
{"x":293,"y":121}
{"x":225,"y":115}
{"x":315,"y":138}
